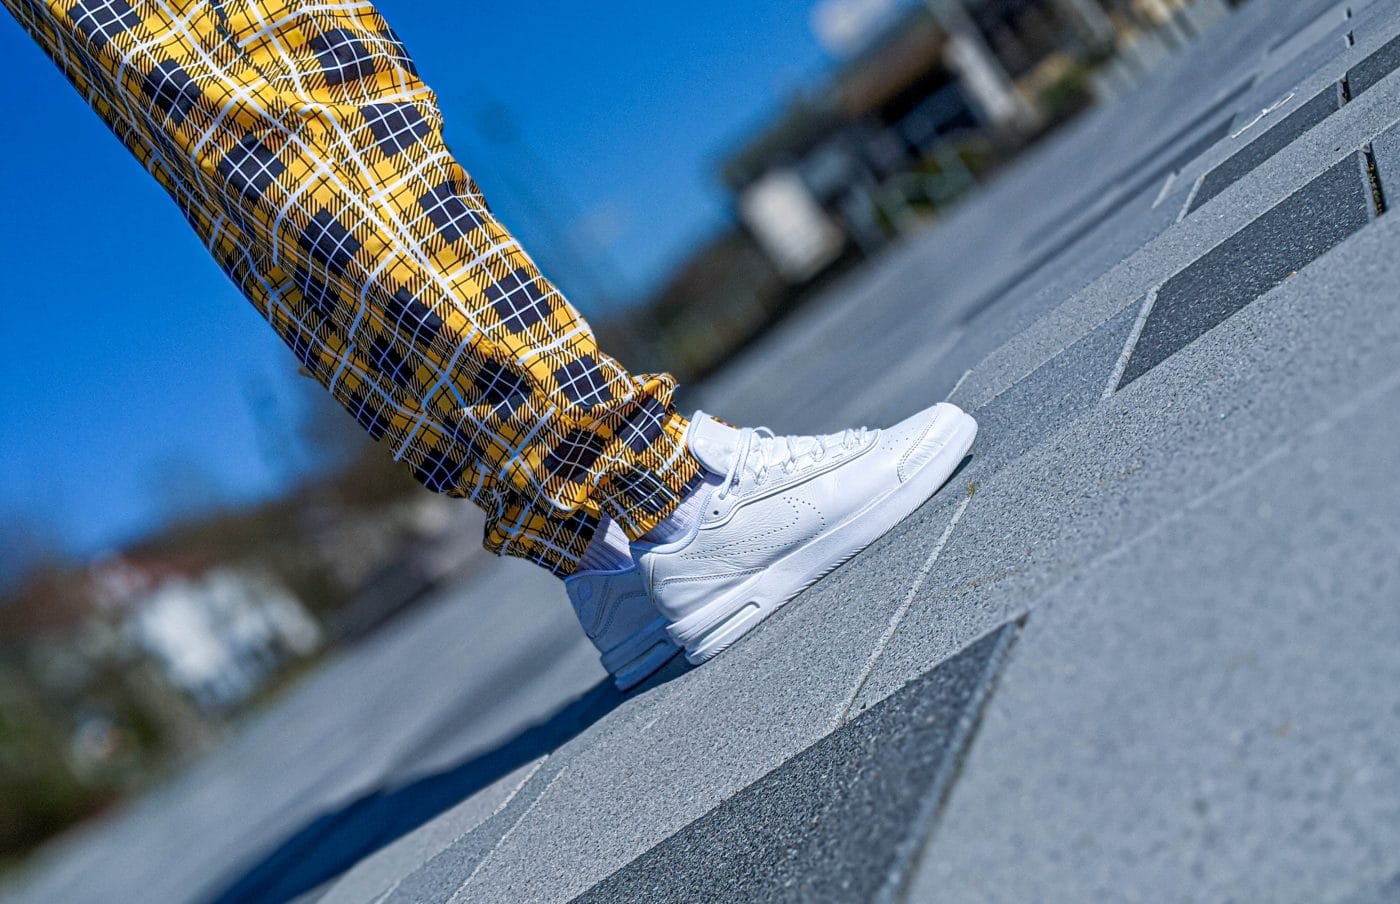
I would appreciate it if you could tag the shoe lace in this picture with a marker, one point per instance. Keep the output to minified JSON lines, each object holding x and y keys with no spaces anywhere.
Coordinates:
{"x":760,"y":451}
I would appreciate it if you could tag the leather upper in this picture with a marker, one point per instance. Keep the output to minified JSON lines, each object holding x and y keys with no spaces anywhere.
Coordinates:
{"x":765,"y":515}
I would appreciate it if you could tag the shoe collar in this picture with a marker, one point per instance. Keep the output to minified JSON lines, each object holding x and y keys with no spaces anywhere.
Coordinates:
{"x":712,"y":442}
{"x":727,"y":451}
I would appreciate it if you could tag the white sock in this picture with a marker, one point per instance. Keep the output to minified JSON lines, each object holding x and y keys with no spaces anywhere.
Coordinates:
{"x":686,"y":515}
{"x":608,"y":550}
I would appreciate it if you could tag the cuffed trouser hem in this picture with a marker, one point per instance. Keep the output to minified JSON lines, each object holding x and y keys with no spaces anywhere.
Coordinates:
{"x":638,"y":497}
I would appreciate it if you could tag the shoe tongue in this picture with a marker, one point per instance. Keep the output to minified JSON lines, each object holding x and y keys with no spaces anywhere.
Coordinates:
{"x":713,"y":442}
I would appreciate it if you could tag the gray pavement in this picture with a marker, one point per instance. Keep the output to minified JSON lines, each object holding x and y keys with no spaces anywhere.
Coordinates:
{"x":1142,"y":647}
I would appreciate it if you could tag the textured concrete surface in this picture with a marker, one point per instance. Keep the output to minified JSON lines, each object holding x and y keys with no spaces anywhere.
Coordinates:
{"x":1303,"y":227}
{"x":1181,"y":714}
{"x":1194,"y":422}
{"x":369,"y":722}
{"x":1385,"y":150}
{"x":1375,"y":67}
{"x":1176,"y":321}
{"x":843,"y":820}
{"x":1386,"y":892}
{"x":1323,"y":104}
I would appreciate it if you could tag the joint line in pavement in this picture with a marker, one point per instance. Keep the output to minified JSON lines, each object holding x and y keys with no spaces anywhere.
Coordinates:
{"x":1133,"y":336}
{"x":899,"y":614}
{"x":958,"y":385}
{"x":459,"y":896}
{"x":1166,"y":187}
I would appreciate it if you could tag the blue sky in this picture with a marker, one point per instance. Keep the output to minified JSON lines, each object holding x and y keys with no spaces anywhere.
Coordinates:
{"x":125,"y":350}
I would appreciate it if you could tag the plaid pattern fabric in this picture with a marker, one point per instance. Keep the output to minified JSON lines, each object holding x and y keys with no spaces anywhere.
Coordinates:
{"x":304,"y":149}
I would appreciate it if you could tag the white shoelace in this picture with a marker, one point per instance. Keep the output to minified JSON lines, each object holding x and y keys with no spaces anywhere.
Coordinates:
{"x":786,"y":452}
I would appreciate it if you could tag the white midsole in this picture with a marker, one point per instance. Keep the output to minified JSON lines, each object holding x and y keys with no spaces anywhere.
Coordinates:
{"x":646,"y":649}
{"x":707,"y":631}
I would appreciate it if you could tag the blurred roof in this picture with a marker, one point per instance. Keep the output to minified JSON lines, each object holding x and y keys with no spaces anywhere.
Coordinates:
{"x":909,"y":48}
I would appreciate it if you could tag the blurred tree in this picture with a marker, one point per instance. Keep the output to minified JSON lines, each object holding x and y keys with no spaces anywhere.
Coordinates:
{"x":28,"y":544}
{"x":183,"y":487}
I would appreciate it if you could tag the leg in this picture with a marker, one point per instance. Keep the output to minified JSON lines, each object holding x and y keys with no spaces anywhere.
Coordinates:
{"x":304,"y":149}
{"x":302,"y":146}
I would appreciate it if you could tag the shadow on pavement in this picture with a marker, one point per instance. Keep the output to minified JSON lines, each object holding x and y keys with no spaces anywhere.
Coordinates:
{"x":333,"y":842}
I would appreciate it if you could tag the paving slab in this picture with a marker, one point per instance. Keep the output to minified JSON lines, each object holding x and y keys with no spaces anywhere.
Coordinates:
{"x":1337,"y":138}
{"x":1385,"y":151}
{"x":1203,"y":708}
{"x":1385,"y":892}
{"x":380,"y":871}
{"x":843,"y":820}
{"x":1301,"y":228}
{"x":402,"y":763}
{"x":674,"y":753}
{"x":1309,"y":32}
{"x":1379,"y":64}
{"x":1095,"y":212}
{"x":1320,"y":45}
{"x":1194,"y":422}
{"x":1279,"y":136}
{"x":1204,"y":128}
{"x":1057,"y":392}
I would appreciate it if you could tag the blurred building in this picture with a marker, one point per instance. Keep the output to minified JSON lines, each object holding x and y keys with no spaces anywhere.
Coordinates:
{"x":217,"y":635}
{"x":928,"y":102}
{"x":806,"y":186}
{"x":113,"y":670}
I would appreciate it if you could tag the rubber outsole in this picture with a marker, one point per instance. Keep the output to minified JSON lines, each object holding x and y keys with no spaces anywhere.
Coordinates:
{"x":642,"y":656}
{"x":720,"y":624}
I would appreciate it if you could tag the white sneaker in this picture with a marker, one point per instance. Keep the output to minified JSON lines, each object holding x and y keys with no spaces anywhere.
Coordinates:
{"x":618,"y":616}
{"x":789,"y":510}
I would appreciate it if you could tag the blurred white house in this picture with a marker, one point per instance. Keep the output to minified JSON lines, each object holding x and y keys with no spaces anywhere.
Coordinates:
{"x":217,"y":635}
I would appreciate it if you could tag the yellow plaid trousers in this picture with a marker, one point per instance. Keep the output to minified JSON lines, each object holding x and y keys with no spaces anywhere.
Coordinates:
{"x":304,"y":149}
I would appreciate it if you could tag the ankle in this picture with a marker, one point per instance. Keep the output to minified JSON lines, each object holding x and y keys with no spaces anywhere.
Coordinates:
{"x":686,"y":515}
{"x":609,"y":549}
